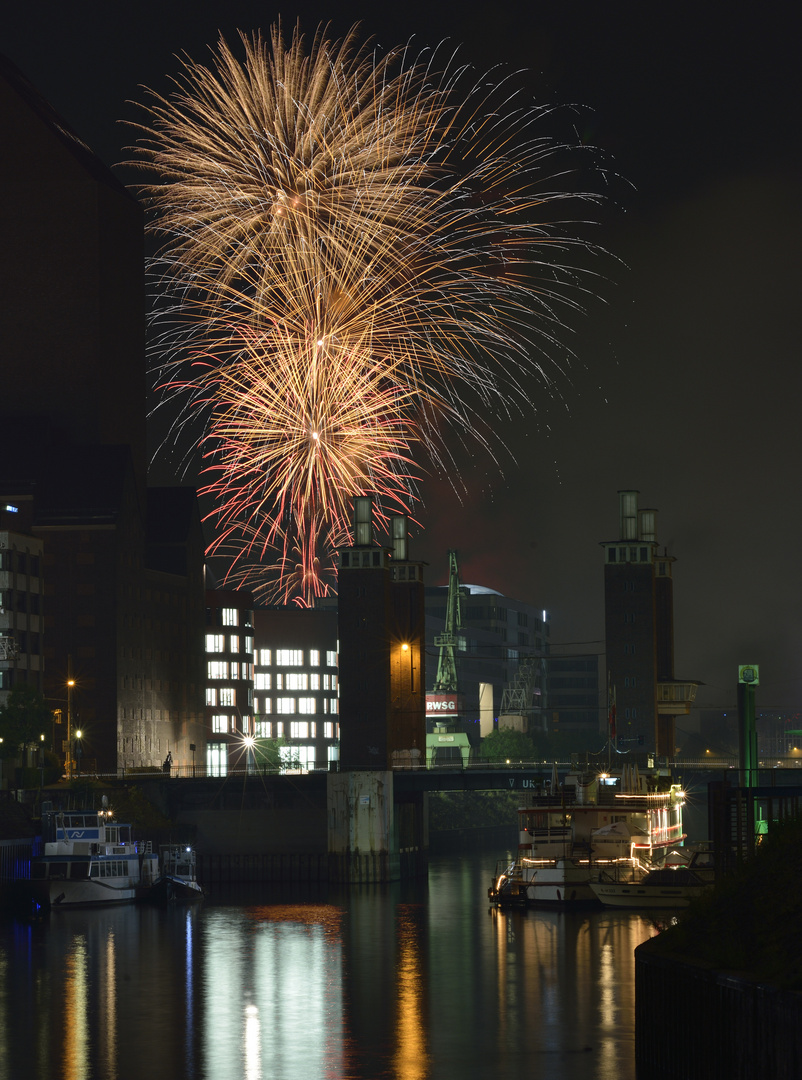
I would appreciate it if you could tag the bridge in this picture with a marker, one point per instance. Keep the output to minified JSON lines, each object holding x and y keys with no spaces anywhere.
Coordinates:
{"x":361,"y":825}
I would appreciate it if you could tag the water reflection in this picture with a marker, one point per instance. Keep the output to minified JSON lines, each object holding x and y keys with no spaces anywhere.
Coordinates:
{"x":417,"y":982}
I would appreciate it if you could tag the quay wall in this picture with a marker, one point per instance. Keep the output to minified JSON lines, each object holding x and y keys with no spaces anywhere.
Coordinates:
{"x":693,"y":1022}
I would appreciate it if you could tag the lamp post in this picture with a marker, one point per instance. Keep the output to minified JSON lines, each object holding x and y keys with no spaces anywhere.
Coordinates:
{"x":78,"y":735}
{"x":70,"y":684}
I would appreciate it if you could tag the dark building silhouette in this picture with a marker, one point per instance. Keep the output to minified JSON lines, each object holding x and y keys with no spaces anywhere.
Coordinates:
{"x":639,"y":632}
{"x":382,"y":659}
{"x":121,"y":587}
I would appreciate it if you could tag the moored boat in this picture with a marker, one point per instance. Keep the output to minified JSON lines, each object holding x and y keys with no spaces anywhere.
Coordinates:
{"x":570,"y":833}
{"x":177,"y":881}
{"x":90,"y":859}
{"x":670,"y":886}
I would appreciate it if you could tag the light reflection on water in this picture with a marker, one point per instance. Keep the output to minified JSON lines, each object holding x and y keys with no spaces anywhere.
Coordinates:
{"x":411,"y":982}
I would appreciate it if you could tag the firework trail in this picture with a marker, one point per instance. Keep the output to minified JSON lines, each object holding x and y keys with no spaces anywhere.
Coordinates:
{"x":357,"y":261}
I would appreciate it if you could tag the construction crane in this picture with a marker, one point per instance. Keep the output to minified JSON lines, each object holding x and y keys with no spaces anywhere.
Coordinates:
{"x":446,"y":681}
{"x":517,"y":698}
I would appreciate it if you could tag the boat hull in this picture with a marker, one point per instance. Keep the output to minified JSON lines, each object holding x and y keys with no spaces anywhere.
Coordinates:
{"x":561,"y":884}
{"x":175,"y":890}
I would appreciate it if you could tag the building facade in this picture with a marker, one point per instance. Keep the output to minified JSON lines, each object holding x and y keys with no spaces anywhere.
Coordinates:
{"x":296,"y":687}
{"x":639,"y":633}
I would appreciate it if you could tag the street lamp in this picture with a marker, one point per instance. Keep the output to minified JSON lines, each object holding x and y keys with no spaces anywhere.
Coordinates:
{"x":70,"y":684}
{"x":78,"y":735}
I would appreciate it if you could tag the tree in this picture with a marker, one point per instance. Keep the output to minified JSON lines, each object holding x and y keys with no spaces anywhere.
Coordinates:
{"x":275,"y":754}
{"x":505,"y":744}
{"x":23,"y":720}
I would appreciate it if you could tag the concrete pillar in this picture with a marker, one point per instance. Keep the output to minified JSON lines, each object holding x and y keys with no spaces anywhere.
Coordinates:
{"x":361,"y":840}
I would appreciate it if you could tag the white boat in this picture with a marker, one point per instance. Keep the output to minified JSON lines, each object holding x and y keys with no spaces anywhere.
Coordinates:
{"x":671,"y":886}
{"x":90,"y":859}
{"x":177,"y":881}
{"x":570,"y":833}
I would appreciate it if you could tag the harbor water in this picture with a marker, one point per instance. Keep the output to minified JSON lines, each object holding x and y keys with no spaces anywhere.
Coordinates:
{"x":415,"y":981}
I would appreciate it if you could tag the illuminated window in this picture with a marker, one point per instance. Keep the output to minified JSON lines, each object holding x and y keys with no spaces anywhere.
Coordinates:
{"x":314,"y":681}
{"x":296,"y":681}
{"x":285,"y":705}
{"x":299,"y":729}
{"x":279,"y":729}
{"x":235,"y":670}
{"x":331,"y":659}
{"x":229,"y":616}
{"x":211,"y":696}
{"x":333,"y":752}
{"x":307,"y":705}
{"x":215,"y":643}
{"x":261,"y":681}
{"x":262,"y":729}
{"x":233,"y":643}
{"x":328,"y":730}
{"x":249,"y":645}
{"x":289,"y":657}
{"x":217,"y":669}
{"x":314,"y":657}
{"x":267,"y":705}
{"x":228,"y":696}
{"x":333,"y":705}
{"x":265,"y":657}
{"x":216,"y":759}
{"x":220,"y":724}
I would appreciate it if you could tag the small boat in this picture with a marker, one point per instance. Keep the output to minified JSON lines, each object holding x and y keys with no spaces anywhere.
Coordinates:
{"x":177,"y":881}
{"x":90,"y":859}
{"x":666,"y":887}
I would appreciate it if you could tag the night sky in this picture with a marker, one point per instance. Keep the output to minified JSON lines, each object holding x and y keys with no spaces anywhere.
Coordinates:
{"x":684,"y":382}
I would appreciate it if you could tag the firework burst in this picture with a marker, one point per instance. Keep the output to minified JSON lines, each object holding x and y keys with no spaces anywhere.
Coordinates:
{"x":357,"y":262}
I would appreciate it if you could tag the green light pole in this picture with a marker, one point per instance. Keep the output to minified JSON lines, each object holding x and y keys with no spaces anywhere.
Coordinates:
{"x":748,"y":679}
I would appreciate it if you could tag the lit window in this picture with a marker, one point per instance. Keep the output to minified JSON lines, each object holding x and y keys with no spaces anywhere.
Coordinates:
{"x":220,"y":724}
{"x":249,"y":645}
{"x":285,"y":705}
{"x":235,"y":670}
{"x":228,"y":696}
{"x":299,"y":729}
{"x":279,"y":681}
{"x":261,"y":681}
{"x":327,"y":682}
{"x":217,"y":669}
{"x":314,"y":681}
{"x":331,"y":659}
{"x":234,"y":643}
{"x":333,"y":705}
{"x":229,"y":616}
{"x":262,"y":729}
{"x":268,"y":705}
{"x":279,"y":729}
{"x":216,"y":759}
{"x":296,"y":681}
{"x":314,"y":657}
{"x":211,"y":696}
{"x":306,"y":705}
{"x":289,"y":657}
{"x":215,"y":643}
{"x":328,"y":730}
{"x":333,"y":752}
{"x":265,"y":657}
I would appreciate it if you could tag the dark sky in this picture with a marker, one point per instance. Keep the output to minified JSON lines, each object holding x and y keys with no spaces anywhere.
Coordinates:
{"x":686,"y":378}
